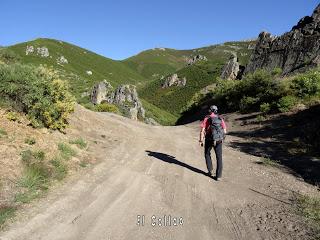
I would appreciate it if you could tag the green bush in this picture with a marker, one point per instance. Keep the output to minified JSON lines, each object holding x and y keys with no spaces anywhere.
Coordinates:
{"x":265,"y":108}
{"x":307,"y":84}
{"x":12,"y":116}
{"x":107,"y":107}
{"x":248,"y":104}
{"x":8,"y":56}
{"x":38,"y":92}
{"x":285,"y":104}
{"x":249,"y":93}
{"x":276,"y":71}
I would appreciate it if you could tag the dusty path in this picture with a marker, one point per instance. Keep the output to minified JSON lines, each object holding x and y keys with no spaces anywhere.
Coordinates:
{"x":157,"y":171}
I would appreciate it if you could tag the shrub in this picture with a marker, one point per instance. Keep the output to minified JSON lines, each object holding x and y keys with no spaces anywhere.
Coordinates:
{"x":107,"y":107}
{"x":285,"y":104}
{"x":247,"y":104}
{"x":307,"y":84}
{"x":265,"y":108}
{"x":80,"y":142}
{"x":38,"y":92}
{"x":12,"y":116}
{"x":261,"y":118}
{"x":8,"y":56}
{"x":276,"y":71}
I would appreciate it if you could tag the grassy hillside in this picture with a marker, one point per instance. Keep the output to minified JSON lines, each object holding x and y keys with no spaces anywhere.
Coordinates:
{"x":199,"y":75}
{"x":143,"y":70}
{"x":156,"y":62}
{"x":79,"y":62}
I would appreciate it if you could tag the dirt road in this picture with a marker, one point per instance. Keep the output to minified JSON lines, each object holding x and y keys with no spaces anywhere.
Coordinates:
{"x":148,"y":173}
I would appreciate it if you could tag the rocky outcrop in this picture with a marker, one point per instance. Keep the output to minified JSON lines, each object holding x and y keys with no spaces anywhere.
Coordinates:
{"x":231,"y":68}
{"x":196,"y":58}
{"x":297,"y":50}
{"x":40,"y":51}
{"x":174,"y":80}
{"x":62,"y":60}
{"x":125,"y":97}
{"x":101,"y":92}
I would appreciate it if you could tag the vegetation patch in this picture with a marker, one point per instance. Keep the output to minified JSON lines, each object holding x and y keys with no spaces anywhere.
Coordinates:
{"x":310,"y":208}
{"x":107,"y":107}
{"x":38,"y":92}
{"x":80,"y":142}
{"x":3,"y":132}
{"x":269,"y":162}
{"x":60,"y":168}
{"x":6,"y":212}
{"x":66,"y":151}
{"x":30,"y":141}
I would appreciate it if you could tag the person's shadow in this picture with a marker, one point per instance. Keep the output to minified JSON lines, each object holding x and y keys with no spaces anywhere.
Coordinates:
{"x":171,"y":159}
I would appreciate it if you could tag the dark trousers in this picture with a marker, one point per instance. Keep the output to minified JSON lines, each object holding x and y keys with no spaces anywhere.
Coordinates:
{"x":208,"y":145}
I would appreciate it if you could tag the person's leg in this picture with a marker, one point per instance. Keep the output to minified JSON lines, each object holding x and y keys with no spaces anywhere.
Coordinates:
{"x":207,"y":154}
{"x":218,"y":151}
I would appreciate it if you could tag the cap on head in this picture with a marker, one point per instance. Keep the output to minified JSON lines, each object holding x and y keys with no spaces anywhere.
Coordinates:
{"x":213,"y":109}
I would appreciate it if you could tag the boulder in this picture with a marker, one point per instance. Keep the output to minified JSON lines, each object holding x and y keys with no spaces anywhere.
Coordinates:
{"x":174,"y":80}
{"x":297,"y":50}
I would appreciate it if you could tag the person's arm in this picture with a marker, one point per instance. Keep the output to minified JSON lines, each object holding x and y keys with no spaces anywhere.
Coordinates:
{"x":224,"y":126}
{"x":201,"y":137}
{"x":202,"y":132}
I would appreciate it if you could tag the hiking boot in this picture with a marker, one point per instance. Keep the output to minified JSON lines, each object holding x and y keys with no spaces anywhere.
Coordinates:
{"x":217,"y":178}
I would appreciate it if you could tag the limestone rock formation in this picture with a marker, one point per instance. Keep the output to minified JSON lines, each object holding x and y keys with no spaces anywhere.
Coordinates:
{"x":174,"y":80}
{"x":40,"y":51}
{"x":296,"y":50}
{"x":62,"y":60}
{"x":196,"y":58}
{"x":43,"y":52}
{"x":125,"y":97}
{"x":231,"y":69}
{"x":100,"y":92}
{"x":29,"y":50}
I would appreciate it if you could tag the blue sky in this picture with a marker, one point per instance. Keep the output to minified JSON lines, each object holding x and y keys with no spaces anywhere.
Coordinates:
{"x":122,"y":28}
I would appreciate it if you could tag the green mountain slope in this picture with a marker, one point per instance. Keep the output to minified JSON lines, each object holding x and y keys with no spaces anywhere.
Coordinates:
{"x":175,"y":99}
{"x":157,"y":62}
{"x":146,"y":70}
{"x":79,"y":62}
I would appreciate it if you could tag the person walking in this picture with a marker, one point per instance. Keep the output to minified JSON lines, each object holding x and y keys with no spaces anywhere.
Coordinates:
{"x":212,"y":135}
